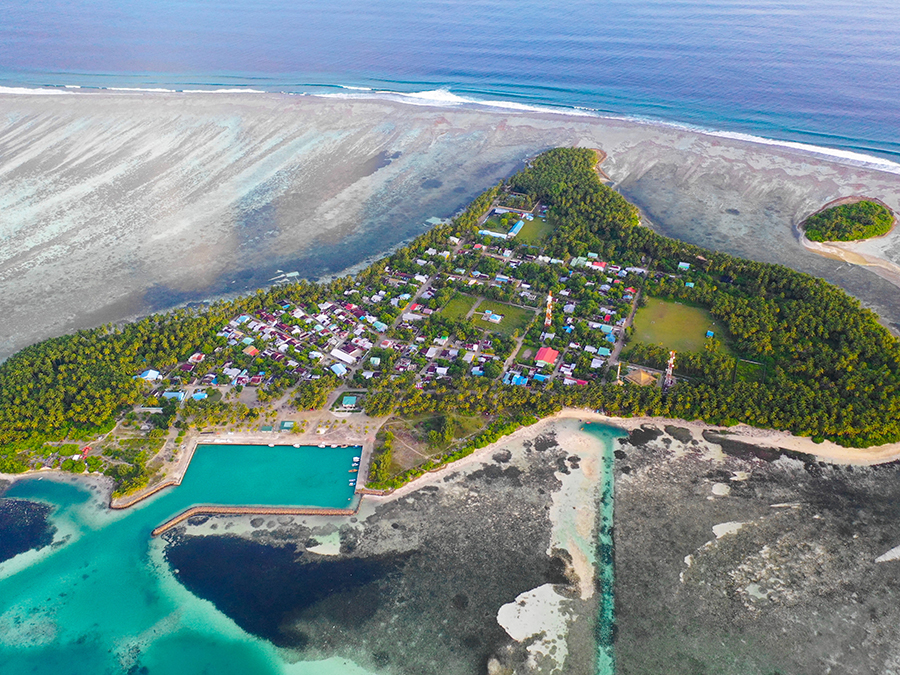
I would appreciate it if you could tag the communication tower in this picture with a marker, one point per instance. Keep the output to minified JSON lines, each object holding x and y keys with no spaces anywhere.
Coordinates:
{"x":548,"y":319}
{"x":669,"y":380}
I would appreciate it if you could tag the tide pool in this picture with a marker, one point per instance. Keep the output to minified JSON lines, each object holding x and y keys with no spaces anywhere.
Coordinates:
{"x":104,"y":600}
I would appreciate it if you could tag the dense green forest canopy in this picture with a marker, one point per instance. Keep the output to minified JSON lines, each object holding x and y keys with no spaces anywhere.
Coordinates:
{"x":849,"y":222}
{"x":832,"y":371}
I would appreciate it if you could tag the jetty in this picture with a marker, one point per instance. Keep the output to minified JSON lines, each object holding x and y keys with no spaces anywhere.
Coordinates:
{"x":212,"y":510}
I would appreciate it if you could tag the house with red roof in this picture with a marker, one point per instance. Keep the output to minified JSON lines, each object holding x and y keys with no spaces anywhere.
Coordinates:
{"x":546,"y":357}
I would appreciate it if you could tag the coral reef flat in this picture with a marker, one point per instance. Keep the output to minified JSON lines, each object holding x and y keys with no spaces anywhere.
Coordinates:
{"x":117,"y":204}
{"x":411,"y":586}
{"x":731,"y":560}
{"x":23,"y":526}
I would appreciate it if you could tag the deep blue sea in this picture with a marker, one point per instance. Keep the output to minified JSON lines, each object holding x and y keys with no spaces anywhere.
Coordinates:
{"x":820,"y":72}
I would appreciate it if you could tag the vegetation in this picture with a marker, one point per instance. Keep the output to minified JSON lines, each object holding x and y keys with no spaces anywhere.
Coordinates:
{"x":534,"y":231}
{"x":832,"y":370}
{"x":515,"y":319}
{"x":494,"y":432}
{"x":673,"y":325}
{"x":381,"y":462}
{"x":849,"y":222}
{"x":458,"y":307}
{"x":313,"y":394}
{"x":828,"y":368}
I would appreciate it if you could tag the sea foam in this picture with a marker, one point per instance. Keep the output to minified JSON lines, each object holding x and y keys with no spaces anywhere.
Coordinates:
{"x":443,"y":97}
{"x":446,"y":98}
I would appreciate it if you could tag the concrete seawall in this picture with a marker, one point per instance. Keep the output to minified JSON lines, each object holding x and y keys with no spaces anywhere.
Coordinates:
{"x":178,"y":472}
{"x":211,"y":510}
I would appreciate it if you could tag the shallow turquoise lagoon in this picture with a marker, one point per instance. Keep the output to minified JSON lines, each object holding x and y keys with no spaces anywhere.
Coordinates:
{"x":104,"y":601}
{"x":606,"y":569}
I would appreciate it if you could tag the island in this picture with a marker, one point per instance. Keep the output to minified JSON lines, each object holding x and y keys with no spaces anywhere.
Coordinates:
{"x":849,"y":220}
{"x":546,"y":295}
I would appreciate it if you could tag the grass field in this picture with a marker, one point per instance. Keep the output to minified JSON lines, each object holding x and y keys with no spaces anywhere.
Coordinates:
{"x":493,"y":223}
{"x":513,"y":318}
{"x":534,"y":231}
{"x":674,"y":326}
{"x":747,"y":371}
{"x":458,"y":307}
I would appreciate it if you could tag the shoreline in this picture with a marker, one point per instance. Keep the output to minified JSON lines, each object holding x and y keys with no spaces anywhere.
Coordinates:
{"x":445,"y":99}
{"x":851,"y":251}
{"x":848,"y":252}
{"x":335,"y":170}
{"x":770,"y":439}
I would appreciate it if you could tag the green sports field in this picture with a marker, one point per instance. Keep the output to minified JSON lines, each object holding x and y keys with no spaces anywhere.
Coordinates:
{"x":458,"y":307}
{"x":674,"y":326}
{"x":534,"y":231}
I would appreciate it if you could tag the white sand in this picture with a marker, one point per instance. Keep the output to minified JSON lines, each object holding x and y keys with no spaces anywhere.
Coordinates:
{"x":764,"y":438}
{"x":893,"y":554}
{"x":721,"y":489}
{"x":722,"y":529}
{"x":573,"y":512}
{"x":538,"y":612}
{"x":330,"y":544}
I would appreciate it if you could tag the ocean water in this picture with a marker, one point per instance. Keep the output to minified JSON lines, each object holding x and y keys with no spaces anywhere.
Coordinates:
{"x":820,"y":72}
{"x":103,"y":599}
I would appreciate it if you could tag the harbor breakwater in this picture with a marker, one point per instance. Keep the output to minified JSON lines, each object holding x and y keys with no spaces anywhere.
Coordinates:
{"x":213,"y":510}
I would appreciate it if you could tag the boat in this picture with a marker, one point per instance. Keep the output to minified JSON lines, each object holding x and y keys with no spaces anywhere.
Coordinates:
{"x":354,"y":471}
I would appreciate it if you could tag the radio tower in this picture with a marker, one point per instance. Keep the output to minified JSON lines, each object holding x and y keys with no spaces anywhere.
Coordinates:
{"x":669,"y":380}
{"x":548,"y":319}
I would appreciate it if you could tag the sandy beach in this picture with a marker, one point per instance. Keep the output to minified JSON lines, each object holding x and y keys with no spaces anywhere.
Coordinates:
{"x":761,"y":438}
{"x":173,"y":471}
{"x":121,"y":203}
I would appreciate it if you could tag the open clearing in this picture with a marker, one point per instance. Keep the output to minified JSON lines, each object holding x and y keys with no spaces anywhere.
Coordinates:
{"x":458,"y":307}
{"x":514,"y":318}
{"x":411,"y":441}
{"x":749,"y":371}
{"x":534,"y":231}
{"x":674,"y":326}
